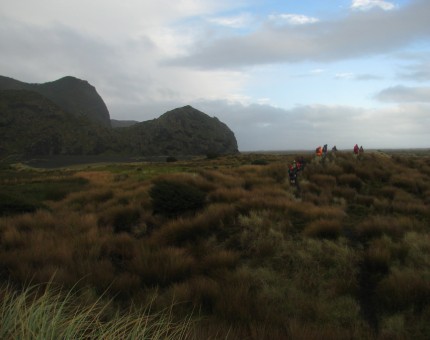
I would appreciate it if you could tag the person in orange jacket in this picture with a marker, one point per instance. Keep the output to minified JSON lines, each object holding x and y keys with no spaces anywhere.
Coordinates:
{"x":319,"y":151}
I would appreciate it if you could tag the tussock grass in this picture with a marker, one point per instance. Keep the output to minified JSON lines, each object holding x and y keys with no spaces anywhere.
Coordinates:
{"x":121,"y":219}
{"x":404,"y":289}
{"x":330,"y":229}
{"x":323,"y":180}
{"x":49,"y":313}
{"x":350,"y":180}
{"x":345,"y":255}
{"x":376,"y":226}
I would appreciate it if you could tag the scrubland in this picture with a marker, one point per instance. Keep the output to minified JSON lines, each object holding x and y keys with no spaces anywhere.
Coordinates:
{"x":220,"y":248}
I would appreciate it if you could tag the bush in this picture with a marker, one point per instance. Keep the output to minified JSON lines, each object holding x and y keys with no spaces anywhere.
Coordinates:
{"x":173,"y":198}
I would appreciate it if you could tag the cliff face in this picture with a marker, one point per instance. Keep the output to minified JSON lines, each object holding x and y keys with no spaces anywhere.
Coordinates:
{"x":71,"y":94}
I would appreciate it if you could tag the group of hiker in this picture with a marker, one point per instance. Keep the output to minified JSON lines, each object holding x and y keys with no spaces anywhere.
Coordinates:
{"x":321,"y":153}
{"x":358,"y":150}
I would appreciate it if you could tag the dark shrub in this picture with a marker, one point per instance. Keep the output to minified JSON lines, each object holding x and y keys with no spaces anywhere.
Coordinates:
{"x":212,"y":155}
{"x":14,"y":205}
{"x":259,"y":162}
{"x":171,"y":159}
{"x":172,"y":198}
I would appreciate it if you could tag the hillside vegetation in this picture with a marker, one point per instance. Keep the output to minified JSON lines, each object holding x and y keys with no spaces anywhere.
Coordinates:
{"x":228,"y":247}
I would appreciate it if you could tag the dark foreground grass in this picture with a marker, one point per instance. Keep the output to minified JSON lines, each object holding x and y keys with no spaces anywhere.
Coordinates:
{"x":227,"y":243}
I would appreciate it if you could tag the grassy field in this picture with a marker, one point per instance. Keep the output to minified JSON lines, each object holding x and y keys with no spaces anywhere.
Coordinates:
{"x":221,"y":248}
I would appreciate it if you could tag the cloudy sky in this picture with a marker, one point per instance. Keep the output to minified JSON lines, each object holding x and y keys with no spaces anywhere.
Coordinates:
{"x":282,"y":74}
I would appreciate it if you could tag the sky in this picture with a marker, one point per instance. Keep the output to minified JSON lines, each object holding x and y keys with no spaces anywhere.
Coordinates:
{"x":282,"y":74}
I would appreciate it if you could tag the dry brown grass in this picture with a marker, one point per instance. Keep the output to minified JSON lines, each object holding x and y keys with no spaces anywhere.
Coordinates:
{"x":350,"y":180}
{"x":376,"y":226}
{"x":261,"y":259}
{"x":184,"y":230}
{"x":404,"y":289}
{"x":228,"y":195}
{"x":330,"y":229}
{"x":322,"y":180}
{"x":96,"y":177}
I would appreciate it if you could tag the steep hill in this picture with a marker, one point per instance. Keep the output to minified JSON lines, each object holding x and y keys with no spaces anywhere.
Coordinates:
{"x":73,"y":95}
{"x":31,"y":125}
{"x":68,"y":117}
{"x":182,"y":131}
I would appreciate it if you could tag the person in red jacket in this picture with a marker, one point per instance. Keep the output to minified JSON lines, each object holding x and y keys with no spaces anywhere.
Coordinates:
{"x":356,"y":149}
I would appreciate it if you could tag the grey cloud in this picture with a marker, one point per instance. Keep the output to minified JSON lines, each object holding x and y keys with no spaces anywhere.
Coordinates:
{"x":359,"y":34}
{"x":365,"y":77}
{"x":404,"y":94}
{"x":57,"y":51}
{"x":417,"y":72}
{"x":305,"y":127}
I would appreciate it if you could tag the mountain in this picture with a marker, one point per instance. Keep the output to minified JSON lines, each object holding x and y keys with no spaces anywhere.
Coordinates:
{"x":122,"y":123}
{"x":68,"y":117}
{"x":182,"y":131}
{"x":73,"y":95}
{"x":31,"y":125}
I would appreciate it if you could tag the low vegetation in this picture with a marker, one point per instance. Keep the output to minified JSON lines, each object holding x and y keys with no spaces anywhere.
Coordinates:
{"x":218,"y":248}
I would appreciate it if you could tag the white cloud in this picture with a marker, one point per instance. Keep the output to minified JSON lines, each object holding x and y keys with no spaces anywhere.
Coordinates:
{"x":237,"y":21}
{"x":344,"y":75}
{"x":292,"y":19}
{"x":368,"y":4}
{"x":317,"y":71}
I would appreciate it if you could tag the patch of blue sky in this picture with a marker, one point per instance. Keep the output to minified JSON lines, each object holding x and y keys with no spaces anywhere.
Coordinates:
{"x":350,"y":83}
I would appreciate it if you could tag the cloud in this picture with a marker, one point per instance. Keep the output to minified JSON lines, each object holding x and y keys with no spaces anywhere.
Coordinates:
{"x":237,"y":21}
{"x":360,"y":34}
{"x":292,"y":19}
{"x":404,"y":94}
{"x":367,"y":76}
{"x":369,"y":4}
{"x":344,"y":75}
{"x":264,"y":127}
{"x":419,"y":71}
